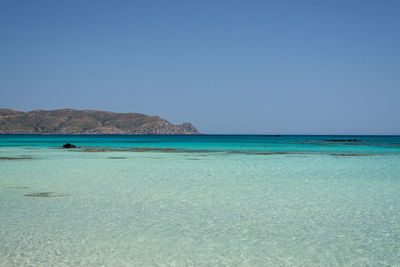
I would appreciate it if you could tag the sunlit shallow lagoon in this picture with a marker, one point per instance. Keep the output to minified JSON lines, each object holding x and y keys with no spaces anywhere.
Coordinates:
{"x":199,"y":201}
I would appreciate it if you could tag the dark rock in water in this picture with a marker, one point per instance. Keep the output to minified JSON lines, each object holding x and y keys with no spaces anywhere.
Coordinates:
{"x":68,"y":145}
{"x":117,"y":157}
{"x":43,"y":194}
{"x":343,"y":140}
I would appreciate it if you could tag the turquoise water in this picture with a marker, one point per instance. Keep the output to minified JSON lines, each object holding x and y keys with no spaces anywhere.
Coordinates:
{"x":199,"y":201}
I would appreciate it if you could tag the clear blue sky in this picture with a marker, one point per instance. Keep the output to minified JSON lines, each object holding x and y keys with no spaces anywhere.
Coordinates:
{"x":294,"y":67}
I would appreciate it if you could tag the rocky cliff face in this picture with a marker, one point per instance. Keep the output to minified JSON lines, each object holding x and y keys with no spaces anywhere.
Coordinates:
{"x":70,"y":121}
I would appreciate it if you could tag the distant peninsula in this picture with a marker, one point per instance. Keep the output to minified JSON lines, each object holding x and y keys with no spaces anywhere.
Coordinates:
{"x":71,"y":121}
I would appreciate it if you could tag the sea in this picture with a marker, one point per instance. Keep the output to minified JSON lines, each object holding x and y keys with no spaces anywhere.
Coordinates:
{"x":202,"y":200}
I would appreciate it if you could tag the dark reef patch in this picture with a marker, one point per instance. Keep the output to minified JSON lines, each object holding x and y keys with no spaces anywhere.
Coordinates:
{"x":206,"y":153}
{"x":131,"y":149}
{"x":264,"y":152}
{"x":343,"y":140}
{"x":44,"y":194}
{"x":14,"y":158}
{"x":117,"y":157}
{"x":352,"y":154}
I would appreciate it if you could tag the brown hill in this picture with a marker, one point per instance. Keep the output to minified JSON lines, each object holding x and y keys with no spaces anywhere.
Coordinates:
{"x":70,"y":121}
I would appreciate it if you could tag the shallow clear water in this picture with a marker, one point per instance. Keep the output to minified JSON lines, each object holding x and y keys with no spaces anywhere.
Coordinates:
{"x":214,"y":200}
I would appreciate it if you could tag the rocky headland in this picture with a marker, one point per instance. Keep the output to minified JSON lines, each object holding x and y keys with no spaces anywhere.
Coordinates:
{"x":70,"y":121}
